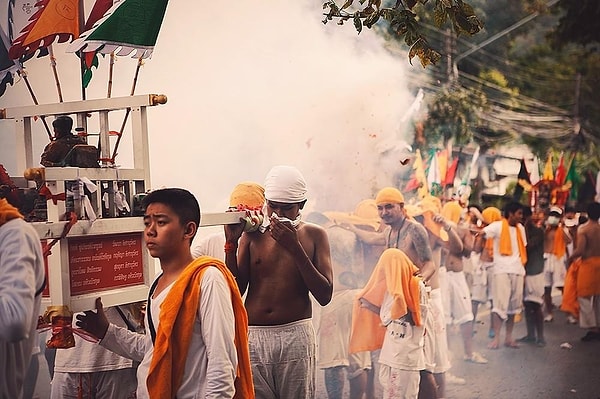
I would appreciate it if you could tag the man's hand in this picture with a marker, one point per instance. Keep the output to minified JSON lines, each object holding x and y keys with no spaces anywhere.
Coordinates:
{"x":95,"y":323}
{"x":284,"y":233}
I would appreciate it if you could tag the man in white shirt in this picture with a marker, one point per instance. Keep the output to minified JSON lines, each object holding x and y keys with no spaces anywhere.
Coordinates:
{"x":510,"y":257}
{"x":21,"y":283}
{"x":197,"y":341}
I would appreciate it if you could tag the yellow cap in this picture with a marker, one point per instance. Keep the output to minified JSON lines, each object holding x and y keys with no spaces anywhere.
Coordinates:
{"x":389,"y":195}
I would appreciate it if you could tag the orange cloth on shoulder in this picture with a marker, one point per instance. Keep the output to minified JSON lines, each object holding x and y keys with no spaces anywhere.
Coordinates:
{"x":506,"y":246}
{"x":395,"y":274}
{"x":8,"y":212}
{"x":588,"y":277}
{"x":177,"y":315}
{"x":560,"y":247}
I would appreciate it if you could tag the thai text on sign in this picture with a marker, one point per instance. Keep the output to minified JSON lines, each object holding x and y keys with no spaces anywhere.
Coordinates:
{"x":105,"y":262}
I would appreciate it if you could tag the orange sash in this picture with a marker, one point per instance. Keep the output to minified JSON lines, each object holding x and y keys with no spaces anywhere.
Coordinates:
{"x":178,"y":312}
{"x":560,"y":248}
{"x":505,"y":245}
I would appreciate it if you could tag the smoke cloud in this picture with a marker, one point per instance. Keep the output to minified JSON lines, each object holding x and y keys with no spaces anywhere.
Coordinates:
{"x":251,"y":85}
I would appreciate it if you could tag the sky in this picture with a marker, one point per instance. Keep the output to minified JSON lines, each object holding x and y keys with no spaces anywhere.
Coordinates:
{"x":251,"y":85}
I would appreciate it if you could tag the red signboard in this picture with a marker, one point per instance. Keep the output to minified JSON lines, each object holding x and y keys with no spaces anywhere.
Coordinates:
{"x":105,"y":262}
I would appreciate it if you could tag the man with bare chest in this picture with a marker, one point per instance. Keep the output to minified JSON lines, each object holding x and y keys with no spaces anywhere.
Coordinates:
{"x":279,"y":265}
{"x":412,"y":238}
{"x":587,"y":255}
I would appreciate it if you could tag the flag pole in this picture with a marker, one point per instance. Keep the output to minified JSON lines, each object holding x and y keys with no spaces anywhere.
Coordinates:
{"x":110,"y":74}
{"x":135,"y":78}
{"x":21,"y":71}
{"x":55,"y":72}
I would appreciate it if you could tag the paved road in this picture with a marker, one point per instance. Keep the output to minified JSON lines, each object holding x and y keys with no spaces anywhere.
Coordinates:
{"x":529,"y":372}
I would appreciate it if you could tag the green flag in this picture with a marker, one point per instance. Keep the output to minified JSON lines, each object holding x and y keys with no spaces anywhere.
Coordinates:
{"x":130,"y":25}
{"x":574,"y":178}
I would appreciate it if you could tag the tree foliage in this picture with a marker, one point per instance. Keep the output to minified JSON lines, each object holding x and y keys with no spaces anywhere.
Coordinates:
{"x":402,"y":18}
{"x":578,"y":24}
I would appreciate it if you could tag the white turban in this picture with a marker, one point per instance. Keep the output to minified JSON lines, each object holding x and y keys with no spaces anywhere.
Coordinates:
{"x":285,"y":184}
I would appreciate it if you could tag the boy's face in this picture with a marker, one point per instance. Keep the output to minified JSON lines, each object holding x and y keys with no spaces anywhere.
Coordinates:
{"x":165,"y":235}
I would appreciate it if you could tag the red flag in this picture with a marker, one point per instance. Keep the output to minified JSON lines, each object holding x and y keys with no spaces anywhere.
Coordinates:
{"x":451,"y":173}
{"x":54,"y":20}
{"x":561,"y":172}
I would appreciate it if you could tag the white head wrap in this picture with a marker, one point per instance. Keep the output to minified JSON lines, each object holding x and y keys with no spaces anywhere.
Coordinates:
{"x":285,"y":184}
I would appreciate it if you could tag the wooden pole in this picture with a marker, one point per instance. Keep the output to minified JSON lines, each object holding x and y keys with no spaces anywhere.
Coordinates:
{"x":135,"y":78}
{"x":110,"y":74}
{"x":55,"y":72}
{"x":22,"y":72}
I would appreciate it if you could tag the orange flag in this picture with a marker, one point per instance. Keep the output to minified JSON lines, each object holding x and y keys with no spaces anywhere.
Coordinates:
{"x":54,"y":19}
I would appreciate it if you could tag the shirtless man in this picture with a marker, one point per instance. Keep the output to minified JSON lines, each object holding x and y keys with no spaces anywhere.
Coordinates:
{"x":588,"y":277}
{"x":412,"y":238}
{"x":458,"y":297}
{"x":280,"y":264}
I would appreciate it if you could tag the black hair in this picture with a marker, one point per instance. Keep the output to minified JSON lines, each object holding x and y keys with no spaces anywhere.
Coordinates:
{"x":527,"y":212}
{"x":593,"y":210}
{"x":62,"y":124}
{"x":511,"y":207}
{"x":181,"y":201}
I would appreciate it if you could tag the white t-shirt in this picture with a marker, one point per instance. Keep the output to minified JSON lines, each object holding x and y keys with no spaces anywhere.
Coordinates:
{"x":211,"y":362}
{"x":403,"y":342}
{"x":506,"y":263}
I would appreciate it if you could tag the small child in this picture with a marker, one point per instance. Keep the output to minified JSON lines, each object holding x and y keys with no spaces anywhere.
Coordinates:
{"x":389,"y":314}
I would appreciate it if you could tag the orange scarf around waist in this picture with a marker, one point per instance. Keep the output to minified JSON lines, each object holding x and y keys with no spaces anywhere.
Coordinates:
{"x":505,"y":247}
{"x":8,"y":212}
{"x":394,"y":273}
{"x":177,"y":315}
{"x":588,"y":277}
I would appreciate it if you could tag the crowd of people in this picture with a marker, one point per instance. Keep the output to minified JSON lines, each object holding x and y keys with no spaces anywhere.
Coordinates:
{"x":256,"y":310}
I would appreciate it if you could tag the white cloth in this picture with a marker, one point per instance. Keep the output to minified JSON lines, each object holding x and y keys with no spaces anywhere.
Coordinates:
{"x":88,"y":357}
{"x":21,"y":275}
{"x":285,"y":184}
{"x":403,"y":342}
{"x":211,"y":361}
{"x":212,"y":245}
{"x":458,"y":299}
{"x":506,"y":263}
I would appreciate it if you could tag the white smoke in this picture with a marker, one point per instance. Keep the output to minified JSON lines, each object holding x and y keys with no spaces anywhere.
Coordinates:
{"x":252,"y":85}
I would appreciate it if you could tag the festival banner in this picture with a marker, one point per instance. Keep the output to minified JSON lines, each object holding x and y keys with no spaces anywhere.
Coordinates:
{"x":54,"y":20}
{"x":19,"y":15}
{"x":125,"y":29}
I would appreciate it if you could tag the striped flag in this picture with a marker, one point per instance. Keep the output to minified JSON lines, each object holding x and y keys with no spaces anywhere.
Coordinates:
{"x":129,"y":26}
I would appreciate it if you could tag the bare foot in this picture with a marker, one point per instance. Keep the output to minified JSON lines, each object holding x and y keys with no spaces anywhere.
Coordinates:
{"x":511,"y":344}
{"x":494,"y":344}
